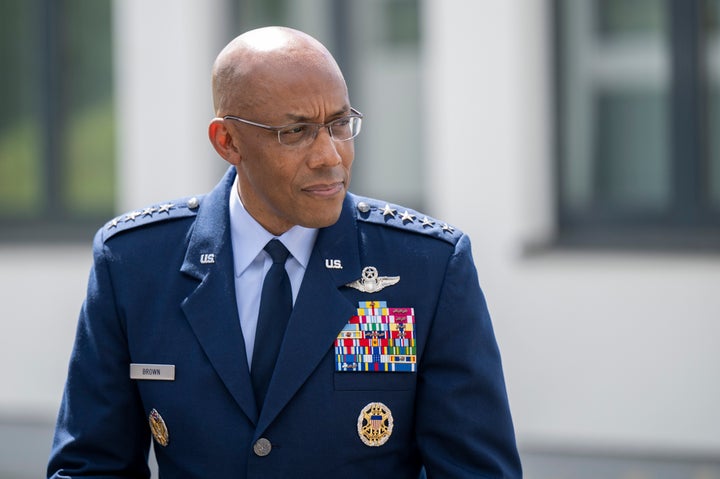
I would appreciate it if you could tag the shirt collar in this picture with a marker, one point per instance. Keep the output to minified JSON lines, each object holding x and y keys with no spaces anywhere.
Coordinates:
{"x":249,"y":237}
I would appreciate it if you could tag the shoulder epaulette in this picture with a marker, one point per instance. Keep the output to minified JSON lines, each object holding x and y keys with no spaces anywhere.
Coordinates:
{"x":152,"y":214}
{"x":374,"y":211}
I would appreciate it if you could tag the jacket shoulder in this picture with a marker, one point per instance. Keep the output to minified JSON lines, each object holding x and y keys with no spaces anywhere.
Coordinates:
{"x":154,"y":214}
{"x":379,"y":212}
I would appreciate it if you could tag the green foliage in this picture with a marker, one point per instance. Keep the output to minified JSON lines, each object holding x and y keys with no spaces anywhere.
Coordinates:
{"x":90,"y":185}
{"x":20,"y":189}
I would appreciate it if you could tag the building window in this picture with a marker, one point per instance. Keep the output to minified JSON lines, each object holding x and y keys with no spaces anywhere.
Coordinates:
{"x":638,"y":89}
{"x":56,"y":118}
{"x":711,"y":28}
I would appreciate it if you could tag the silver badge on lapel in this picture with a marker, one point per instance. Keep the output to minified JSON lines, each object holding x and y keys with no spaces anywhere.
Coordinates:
{"x":375,"y":424}
{"x":370,"y":282}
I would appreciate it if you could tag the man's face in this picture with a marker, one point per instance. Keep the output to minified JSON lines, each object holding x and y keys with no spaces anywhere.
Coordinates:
{"x":282,"y":186}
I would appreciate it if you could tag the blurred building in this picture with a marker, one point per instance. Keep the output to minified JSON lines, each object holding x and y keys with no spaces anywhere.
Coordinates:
{"x":577,"y":142}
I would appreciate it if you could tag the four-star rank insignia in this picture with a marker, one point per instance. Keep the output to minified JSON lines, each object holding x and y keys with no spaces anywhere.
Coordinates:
{"x":370,"y":282}
{"x":375,"y":424}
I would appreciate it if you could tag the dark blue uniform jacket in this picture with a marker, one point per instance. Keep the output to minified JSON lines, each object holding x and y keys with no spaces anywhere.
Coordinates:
{"x":161,"y":292}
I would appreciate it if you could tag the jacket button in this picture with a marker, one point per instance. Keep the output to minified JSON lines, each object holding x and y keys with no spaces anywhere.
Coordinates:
{"x":262,"y":447}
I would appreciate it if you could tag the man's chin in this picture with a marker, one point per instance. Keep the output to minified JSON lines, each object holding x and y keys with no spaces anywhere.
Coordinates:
{"x":323,"y":221}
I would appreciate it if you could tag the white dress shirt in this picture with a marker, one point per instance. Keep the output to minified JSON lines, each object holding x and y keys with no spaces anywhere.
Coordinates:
{"x":251,"y":263}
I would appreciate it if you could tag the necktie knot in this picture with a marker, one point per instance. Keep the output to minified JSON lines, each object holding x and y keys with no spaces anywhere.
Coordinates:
{"x":277,"y":251}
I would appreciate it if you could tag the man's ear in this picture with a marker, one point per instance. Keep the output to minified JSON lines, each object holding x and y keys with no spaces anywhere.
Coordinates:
{"x":223,"y":142}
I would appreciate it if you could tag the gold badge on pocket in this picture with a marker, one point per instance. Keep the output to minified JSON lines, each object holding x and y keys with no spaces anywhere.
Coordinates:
{"x":375,"y":424}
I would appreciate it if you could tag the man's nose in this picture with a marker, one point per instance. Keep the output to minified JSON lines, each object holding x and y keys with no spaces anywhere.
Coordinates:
{"x":324,"y":150}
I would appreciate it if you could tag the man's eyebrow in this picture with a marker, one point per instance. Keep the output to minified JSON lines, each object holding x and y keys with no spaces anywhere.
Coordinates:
{"x":304,"y":119}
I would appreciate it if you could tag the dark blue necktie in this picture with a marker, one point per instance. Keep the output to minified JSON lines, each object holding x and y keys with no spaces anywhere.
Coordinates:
{"x":275,"y":309}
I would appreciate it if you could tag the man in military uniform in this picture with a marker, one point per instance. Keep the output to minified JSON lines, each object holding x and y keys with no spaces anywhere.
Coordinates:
{"x":280,"y":326}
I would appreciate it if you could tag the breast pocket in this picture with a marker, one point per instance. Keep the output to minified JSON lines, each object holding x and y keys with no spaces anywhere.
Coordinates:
{"x":375,"y":381}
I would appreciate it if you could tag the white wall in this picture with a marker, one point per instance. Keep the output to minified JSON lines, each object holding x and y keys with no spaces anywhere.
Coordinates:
{"x":610,"y":351}
{"x":41,"y":290}
{"x":164,"y":51}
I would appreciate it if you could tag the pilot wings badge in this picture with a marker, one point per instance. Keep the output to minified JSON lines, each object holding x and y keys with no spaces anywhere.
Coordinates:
{"x":370,"y":282}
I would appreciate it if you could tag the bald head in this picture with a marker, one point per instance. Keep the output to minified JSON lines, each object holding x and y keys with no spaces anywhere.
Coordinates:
{"x":251,"y":65}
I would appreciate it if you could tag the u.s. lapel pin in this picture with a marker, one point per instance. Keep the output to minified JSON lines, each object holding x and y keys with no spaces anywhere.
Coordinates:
{"x":371,"y":282}
{"x":333,"y":263}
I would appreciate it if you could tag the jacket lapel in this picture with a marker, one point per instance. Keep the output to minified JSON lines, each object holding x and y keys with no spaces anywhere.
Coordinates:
{"x":211,"y":309}
{"x":319,"y":313}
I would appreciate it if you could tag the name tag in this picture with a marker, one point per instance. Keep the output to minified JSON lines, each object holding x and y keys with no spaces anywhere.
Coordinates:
{"x":157,"y":372}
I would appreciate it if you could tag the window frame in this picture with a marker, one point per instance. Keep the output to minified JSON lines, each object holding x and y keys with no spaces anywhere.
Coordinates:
{"x":690,"y":223}
{"x":54,"y":220}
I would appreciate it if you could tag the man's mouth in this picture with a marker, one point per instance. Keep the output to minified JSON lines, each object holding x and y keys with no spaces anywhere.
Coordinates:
{"x":325,"y":189}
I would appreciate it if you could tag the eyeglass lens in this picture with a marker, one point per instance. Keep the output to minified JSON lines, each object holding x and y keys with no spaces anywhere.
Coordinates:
{"x":342,"y":129}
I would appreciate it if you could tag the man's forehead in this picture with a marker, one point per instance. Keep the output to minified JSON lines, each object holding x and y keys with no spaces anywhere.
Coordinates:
{"x":273,"y":62}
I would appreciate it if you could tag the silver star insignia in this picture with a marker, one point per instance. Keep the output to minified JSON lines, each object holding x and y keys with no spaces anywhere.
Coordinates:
{"x":148,"y":211}
{"x":406,"y":216}
{"x":448,"y":228}
{"x":114,"y":223}
{"x":165,"y":208}
{"x":388,"y":211}
{"x":427,"y":222}
{"x":370,"y":282}
{"x":131,"y":216}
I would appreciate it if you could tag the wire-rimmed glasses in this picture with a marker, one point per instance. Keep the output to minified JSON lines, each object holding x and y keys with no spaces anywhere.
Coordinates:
{"x":300,"y":134}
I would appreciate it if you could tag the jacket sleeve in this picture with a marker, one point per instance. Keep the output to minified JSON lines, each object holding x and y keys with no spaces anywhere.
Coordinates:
{"x":463,"y":423}
{"x":101,"y":429}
